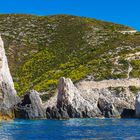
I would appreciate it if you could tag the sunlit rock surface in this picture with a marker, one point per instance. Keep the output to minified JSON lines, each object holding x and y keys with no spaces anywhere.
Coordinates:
{"x":31,"y":107}
{"x":8,"y":96}
{"x":78,"y":102}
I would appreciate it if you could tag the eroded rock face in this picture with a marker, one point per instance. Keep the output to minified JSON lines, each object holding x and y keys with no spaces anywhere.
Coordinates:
{"x":107,"y":108}
{"x":70,"y":104}
{"x":31,"y":106}
{"x":8,"y":96}
{"x":110,"y":102}
{"x":73,"y":102}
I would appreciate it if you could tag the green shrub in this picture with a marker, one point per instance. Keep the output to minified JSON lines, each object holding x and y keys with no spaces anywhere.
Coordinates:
{"x":134,"y":89}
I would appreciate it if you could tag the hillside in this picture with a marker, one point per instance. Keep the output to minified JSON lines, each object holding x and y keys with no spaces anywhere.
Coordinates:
{"x":42,"y":49}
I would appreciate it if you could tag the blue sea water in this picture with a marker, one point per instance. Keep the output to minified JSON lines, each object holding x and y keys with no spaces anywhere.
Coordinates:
{"x":85,"y":129}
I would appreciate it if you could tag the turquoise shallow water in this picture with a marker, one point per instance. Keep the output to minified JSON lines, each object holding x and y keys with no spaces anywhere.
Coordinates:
{"x":102,"y":129}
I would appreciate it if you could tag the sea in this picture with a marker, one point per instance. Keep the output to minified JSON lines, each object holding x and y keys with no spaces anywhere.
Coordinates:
{"x":73,"y":129}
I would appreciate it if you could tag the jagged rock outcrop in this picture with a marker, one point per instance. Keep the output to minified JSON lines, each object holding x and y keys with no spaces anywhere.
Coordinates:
{"x":78,"y":102}
{"x":73,"y":102}
{"x":8,"y":96}
{"x":31,"y":106}
{"x":114,"y":105}
{"x":112,"y":102}
{"x":70,"y":104}
{"x":137,"y":106}
{"x":107,"y":108}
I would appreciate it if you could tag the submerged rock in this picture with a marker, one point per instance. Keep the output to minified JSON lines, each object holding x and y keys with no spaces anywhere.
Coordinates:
{"x":8,"y":95}
{"x":31,"y":107}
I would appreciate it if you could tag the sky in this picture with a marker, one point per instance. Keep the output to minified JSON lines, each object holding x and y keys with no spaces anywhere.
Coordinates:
{"x":125,"y":12}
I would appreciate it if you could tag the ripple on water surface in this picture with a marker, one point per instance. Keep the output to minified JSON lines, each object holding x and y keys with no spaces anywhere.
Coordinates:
{"x":102,"y":129}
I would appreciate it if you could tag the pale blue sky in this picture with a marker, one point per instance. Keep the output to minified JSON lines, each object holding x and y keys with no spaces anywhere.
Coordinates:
{"x":125,"y":12}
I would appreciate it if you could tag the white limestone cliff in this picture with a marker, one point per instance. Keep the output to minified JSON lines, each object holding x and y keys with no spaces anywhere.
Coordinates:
{"x":8,"y":95}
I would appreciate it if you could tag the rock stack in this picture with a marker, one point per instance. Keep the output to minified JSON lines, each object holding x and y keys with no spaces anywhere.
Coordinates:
{"x":70,"y":104}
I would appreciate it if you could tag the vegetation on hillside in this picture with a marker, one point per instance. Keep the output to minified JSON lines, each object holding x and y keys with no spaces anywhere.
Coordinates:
{"x":42,"y":49}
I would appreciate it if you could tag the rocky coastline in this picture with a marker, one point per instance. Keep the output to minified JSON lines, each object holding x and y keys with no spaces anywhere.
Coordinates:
{"x":71,"y":101}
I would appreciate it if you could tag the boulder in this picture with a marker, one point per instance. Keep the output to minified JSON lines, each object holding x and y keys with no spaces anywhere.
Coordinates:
{"x":31,"y":107}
